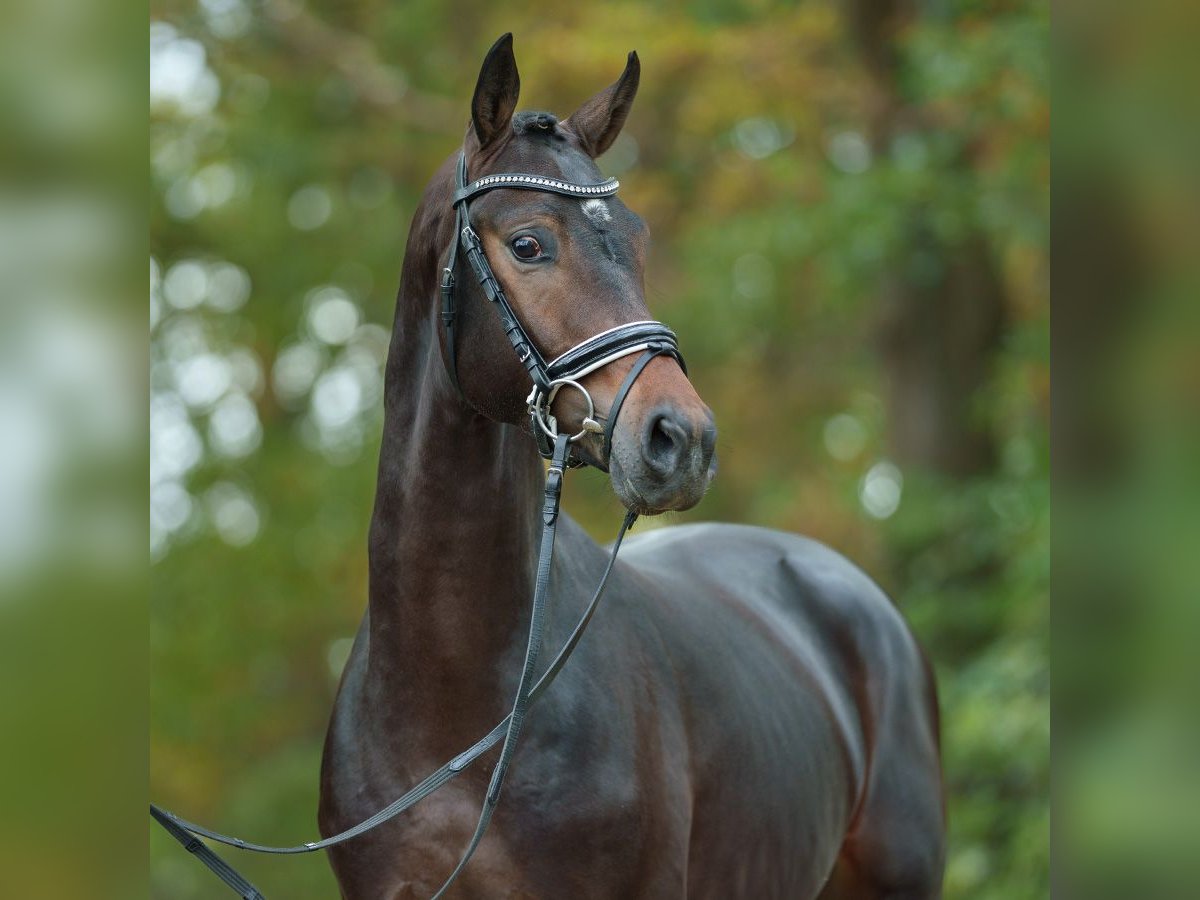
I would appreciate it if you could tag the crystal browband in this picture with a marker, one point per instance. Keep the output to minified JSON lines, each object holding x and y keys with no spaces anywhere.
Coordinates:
{"x":537,"y":183}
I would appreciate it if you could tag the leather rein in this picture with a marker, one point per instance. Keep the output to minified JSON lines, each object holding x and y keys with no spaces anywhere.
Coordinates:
{"x":650,"y":339}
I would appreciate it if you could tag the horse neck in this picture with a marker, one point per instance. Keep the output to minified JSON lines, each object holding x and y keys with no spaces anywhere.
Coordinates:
{"x":454,"y":532}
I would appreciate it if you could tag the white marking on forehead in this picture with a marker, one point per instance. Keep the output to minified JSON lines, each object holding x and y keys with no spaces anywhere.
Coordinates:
{"x":596,"y":210}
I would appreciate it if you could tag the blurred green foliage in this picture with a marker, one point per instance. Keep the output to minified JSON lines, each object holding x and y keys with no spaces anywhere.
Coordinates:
{"x":289,"y":147}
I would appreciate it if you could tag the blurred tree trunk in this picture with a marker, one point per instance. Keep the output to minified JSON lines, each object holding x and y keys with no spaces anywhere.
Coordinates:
{"x":943,"y":308}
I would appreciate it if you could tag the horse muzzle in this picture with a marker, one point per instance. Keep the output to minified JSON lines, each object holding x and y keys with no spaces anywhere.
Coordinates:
{"x":664,"y":459}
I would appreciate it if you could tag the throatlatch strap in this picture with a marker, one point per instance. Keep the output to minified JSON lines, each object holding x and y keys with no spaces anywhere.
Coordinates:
{"x":449,"y":307}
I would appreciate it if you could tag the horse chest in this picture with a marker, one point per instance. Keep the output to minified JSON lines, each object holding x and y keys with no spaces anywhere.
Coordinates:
{"x":562,"y":826}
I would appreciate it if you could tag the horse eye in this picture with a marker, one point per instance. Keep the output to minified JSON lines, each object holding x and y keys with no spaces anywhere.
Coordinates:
{"x":526,"y":247}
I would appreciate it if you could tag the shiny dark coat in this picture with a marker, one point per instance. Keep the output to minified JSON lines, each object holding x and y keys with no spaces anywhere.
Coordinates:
{"x":747,"y":717}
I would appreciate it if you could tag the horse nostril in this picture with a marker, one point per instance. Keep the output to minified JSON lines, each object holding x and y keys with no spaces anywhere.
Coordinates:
{"x":664,"y":442}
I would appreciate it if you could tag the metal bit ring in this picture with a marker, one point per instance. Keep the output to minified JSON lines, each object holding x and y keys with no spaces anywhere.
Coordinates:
{"x":546,"y":421}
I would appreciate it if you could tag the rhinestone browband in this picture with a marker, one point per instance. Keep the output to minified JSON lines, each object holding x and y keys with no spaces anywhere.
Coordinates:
{"x":538,"y":183}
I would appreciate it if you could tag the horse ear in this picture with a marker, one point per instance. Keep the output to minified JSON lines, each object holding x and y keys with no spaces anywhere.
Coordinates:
{"x":599,"y":120}
{"x":496,"y":92}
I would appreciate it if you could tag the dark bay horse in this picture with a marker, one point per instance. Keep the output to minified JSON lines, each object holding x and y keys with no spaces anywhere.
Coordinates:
{"x":748,"y":716}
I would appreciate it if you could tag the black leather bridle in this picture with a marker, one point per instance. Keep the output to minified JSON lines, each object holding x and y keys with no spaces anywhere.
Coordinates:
{"x":651,"y":339}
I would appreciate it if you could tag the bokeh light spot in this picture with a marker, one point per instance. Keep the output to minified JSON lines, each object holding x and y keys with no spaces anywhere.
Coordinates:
{"x":845,"y":436}
{"x":186,"y":284}
{"x":332,"y":315}
{"x":309,"y":208}
{"x":295,"y":370}
{"x":880,"y":490}
{"x":759,"y":137}
{"x":849,"y":152}
{"x":233,"y":513}
{"x":234,"y":429}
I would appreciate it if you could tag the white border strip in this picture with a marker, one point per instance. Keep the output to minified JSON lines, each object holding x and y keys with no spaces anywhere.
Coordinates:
{"x":594,"y":337}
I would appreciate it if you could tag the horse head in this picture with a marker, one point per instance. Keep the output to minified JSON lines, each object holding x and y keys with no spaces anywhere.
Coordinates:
{"x":571,"y":268}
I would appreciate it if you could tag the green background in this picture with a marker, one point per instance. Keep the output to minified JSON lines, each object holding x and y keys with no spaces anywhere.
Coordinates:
{"x":848,"y":204}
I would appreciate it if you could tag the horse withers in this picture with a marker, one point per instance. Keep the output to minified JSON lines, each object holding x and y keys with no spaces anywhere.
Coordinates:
{"x":748,"y":717}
